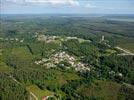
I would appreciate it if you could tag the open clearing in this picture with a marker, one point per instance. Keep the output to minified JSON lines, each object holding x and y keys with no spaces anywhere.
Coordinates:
{"x":38,"y":92}
{"x":103,"y":89}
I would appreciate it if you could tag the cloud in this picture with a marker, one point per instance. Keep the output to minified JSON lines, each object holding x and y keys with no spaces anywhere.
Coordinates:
{"x":52,"y":2}
{"x":90,"y":6}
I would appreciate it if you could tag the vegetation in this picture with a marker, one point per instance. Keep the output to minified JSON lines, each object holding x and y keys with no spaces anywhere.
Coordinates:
{"x":97,"y":70}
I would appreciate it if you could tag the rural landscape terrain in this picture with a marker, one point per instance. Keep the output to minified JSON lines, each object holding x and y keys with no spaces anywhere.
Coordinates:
{"x":66,"y":57}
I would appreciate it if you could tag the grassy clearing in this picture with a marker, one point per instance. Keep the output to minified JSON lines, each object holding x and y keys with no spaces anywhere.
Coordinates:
{"x":109,"y":52}
{"x":71,"y":76}
{"x":128,"y":46}
{"x":22,"y":52}
{"x":4,"y":68}
{"x":62,"y":77}
{"x":67,"y":75}
{"x":38,"y":92}
{"x":126,"y":43}
{"x":103,"y":89}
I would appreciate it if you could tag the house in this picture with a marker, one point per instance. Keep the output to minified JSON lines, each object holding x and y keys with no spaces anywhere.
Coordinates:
{"x":45,"y":97}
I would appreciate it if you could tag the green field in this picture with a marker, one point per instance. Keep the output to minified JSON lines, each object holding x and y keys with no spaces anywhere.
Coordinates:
{"x":126,"y":43}
{"x":61,"y":78}
{"x":22,"y":53}
{"x":38,"y":92}
{"x":102,"y":89}
{"x":4,"y":68}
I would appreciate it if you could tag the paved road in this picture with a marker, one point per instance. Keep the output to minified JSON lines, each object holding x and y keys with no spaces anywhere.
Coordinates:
{"x":126,"y":52}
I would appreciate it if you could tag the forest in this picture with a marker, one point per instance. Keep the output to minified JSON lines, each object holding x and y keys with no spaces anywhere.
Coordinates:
{"x":35,"y":53}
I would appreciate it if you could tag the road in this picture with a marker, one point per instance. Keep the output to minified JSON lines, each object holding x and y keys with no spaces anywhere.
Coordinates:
{"x":129,"y":85}
{"x":126,"y":52}
{"x":21,"y":84}
{"x":33,"y":96}
{"x":14,"y":79}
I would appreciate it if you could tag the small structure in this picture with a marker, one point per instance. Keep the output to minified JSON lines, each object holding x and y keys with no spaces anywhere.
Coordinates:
{"x":45,"y":98}
{"x":103,"y":38}
{"x":120,"y":74}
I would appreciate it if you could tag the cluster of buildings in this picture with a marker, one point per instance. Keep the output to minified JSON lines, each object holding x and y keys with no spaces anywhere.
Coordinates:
{"x":12,"y":39}
{"x":47,"y":39}
{"x":55,"y":59}
{"x":79,"y":39}
{"x":115,"y":73}
{"x":43,"y":38}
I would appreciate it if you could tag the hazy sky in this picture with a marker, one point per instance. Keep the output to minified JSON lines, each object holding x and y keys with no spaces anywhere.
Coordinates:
{"x":67,"y":6}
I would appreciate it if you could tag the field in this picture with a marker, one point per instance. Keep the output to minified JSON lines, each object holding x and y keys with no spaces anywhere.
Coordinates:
{"x":102,"y":89}
{"x":22,"y":53}
{"x":4,"y":68}
{"x":126,"y":43}
{"x":38,"y":92}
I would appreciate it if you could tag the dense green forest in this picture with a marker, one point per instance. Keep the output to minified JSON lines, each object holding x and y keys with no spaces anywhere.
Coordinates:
{"x":65,"y":58}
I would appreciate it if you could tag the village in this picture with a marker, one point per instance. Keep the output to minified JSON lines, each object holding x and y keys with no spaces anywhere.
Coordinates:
{"x":48,"y":39}
{"x":55,"y":59}
{"x":60,"y":58}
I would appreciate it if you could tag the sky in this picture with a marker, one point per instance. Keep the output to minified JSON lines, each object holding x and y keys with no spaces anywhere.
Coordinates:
{"x":67,"y":6}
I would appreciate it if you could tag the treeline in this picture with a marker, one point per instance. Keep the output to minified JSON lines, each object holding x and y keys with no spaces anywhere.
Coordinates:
{"x":70,"y":26}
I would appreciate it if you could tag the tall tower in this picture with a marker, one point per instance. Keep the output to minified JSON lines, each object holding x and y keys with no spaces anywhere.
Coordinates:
{"x":103,"y":38}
